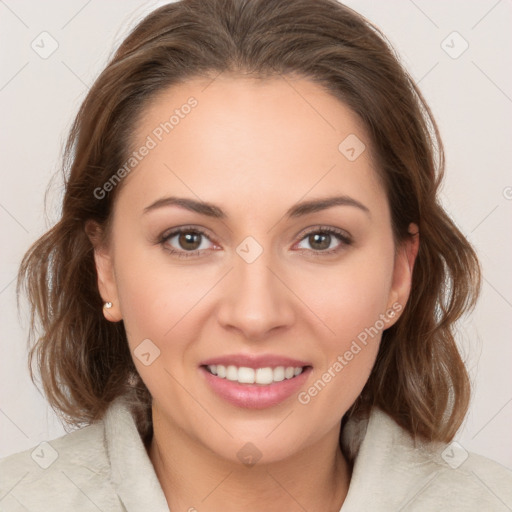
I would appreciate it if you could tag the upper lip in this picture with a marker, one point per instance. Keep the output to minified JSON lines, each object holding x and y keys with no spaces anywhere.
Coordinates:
{"x":255,"y":361}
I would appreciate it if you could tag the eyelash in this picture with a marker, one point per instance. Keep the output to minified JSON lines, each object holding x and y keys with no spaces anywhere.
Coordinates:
{"x":342,"y":236}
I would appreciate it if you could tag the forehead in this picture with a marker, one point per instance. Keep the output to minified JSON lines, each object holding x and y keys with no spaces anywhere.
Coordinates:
{"x":243,"y":138}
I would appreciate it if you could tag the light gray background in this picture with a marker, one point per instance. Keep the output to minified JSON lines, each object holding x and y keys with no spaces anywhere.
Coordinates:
{"x":470,"y":97}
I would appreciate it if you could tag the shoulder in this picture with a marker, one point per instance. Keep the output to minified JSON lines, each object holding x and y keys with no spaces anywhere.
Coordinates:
{"x":481,"y":481}
{"x":67,"y":473}
{"x":409,"y":474}
{"x":447,"y":476}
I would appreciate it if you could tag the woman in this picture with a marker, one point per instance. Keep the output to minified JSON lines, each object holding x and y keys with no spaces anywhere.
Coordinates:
{"x":251,"y":294}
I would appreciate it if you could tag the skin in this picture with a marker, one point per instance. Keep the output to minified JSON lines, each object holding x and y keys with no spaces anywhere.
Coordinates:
{"x":255,"y":148}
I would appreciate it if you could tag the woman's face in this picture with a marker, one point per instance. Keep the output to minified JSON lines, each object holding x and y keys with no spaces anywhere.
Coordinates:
{"x":263,"y":285}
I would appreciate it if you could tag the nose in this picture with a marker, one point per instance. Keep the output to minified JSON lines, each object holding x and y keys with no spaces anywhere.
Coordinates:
{"x":256,"y":299}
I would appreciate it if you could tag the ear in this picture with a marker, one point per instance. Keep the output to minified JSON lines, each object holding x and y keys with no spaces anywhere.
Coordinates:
{"x":105,"y":271}
{"x":402,"y":273}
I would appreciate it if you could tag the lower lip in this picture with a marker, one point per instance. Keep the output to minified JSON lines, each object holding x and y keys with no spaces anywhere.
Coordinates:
{"x":255,"y":396}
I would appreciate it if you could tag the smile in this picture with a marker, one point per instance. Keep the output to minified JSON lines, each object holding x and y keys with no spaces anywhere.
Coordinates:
{"x":262,"y":376}
{"x":255,"y":381}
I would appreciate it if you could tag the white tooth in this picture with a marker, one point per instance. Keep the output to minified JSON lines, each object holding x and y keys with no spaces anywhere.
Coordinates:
{"x":246,"y":375}
{"x":264,"y":376}
{"x":288,"y":373}
{"x":232,"y":372}
{"x":213,"y":369}
{"x":278,"y":373}
{"x":297,"y":371}
{"x":221,"y":371}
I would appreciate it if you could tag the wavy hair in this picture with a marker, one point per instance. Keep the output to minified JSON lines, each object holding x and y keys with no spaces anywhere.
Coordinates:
{"x":84,"y":361}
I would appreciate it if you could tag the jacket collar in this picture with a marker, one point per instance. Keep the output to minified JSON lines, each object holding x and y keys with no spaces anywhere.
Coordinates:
{"x":383,"y":454}
{"x":133,"y":475}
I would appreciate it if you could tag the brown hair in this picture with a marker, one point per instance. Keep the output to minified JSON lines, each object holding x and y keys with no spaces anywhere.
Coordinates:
{"x":84,"y":360}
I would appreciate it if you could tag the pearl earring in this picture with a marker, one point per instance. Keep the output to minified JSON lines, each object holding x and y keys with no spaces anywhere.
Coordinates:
{"x":107,"y":305}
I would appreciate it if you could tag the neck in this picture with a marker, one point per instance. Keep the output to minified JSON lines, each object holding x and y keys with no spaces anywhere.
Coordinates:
{"x":193,"y":478}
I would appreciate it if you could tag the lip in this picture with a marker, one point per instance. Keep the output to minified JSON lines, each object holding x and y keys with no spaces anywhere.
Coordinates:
{"x":253,"y":361}
{"x":255,"y":396}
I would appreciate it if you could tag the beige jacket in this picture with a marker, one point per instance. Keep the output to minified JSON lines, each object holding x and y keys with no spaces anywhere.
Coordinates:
{"x":105,"y":467}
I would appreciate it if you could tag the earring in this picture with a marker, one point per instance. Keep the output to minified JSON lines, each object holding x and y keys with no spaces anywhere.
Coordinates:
{"x":107,"y":305}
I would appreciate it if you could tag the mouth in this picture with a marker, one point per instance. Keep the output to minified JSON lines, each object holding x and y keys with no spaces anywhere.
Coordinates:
{"x":264,"y":376}
{"x":255,"y":382}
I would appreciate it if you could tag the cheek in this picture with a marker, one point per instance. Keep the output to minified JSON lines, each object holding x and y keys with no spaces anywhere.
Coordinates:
{"x":351,"y":298}
{"x":352,"y":303}
{"x":158,"y":306}
{"x":154,"y":297}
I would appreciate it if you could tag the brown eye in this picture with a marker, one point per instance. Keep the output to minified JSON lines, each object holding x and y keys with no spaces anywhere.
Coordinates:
{"x":320,"y":241}
{"x":185,"y":242}
{"x":190,"y":240}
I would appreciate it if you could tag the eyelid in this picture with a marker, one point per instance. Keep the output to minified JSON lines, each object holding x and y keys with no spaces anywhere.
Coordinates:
{"x":345,"y":235}
{"x":345,"y":239}
{"x":171,"y":233}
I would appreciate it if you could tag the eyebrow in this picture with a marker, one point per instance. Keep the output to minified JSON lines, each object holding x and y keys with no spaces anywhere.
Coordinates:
{"x":297,"y":210}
